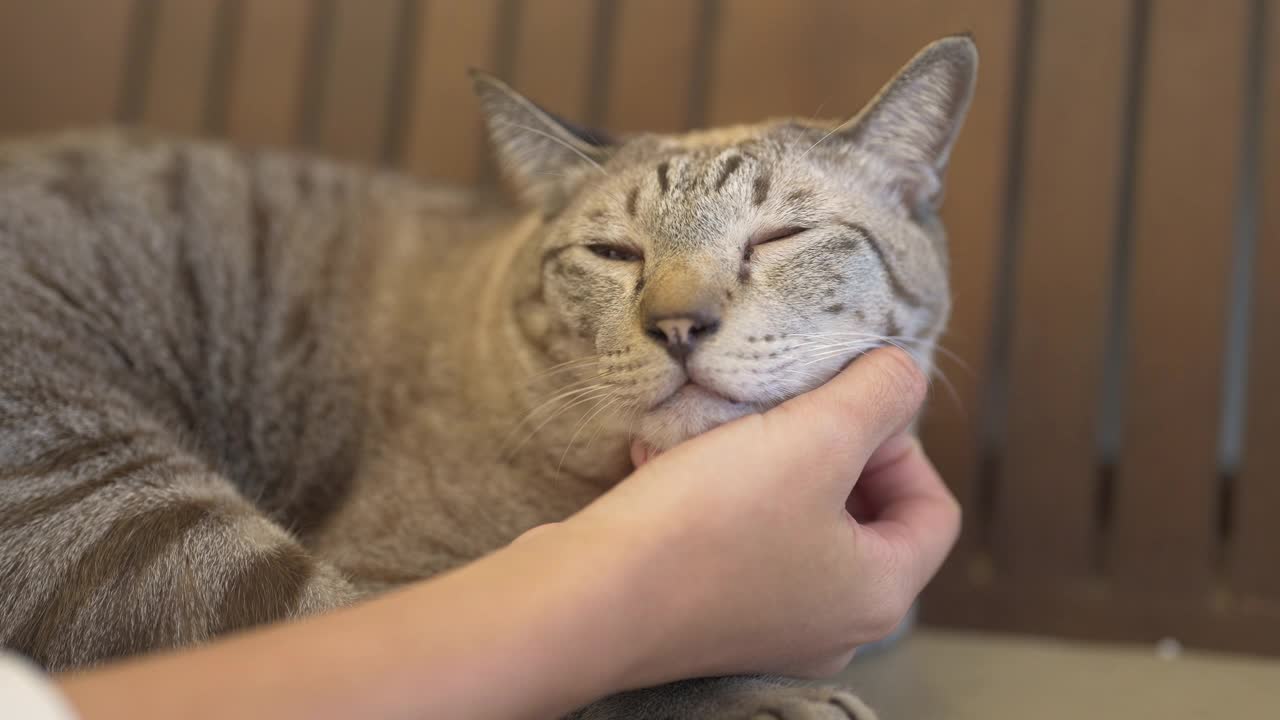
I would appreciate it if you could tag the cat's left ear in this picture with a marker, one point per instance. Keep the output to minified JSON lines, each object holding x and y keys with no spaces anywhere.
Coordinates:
{"x":547,"y":158}
{"x":912,"y":124}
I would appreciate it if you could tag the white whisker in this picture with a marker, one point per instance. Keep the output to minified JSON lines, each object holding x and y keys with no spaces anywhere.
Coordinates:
{"x":563,"y":367}
{"x":589,"y":395}
{"x":820,"y":141}
{"x":596,"y":409}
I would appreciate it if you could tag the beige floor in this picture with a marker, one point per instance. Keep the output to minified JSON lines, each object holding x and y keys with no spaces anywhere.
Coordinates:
{"x":946,"y":675}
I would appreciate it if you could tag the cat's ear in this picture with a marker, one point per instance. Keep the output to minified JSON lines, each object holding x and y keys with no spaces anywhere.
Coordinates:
{"x":913,"y":122}
{"x":545,"y":156}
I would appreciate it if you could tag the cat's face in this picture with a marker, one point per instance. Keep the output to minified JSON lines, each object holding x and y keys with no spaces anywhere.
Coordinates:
{"x":717,"y":273}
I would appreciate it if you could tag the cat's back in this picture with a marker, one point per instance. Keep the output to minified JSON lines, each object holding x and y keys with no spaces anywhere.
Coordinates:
{"x":122,"y":220}
{"x":217,"y":289}
{"x":130,"y":251}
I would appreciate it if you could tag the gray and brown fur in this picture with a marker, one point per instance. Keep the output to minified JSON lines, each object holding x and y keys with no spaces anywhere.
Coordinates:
{"x":237,"y":388}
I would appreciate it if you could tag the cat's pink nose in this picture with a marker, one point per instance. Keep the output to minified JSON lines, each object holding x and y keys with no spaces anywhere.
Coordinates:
{"x":680,"y":334}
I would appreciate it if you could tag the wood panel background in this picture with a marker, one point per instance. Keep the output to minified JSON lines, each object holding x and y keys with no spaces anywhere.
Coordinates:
{"x":1114,"y":208}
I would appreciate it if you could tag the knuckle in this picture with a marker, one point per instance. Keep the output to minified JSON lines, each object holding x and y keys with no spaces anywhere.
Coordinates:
{"x":832,"y":667}
{"x":955,"y":511}
{"x":825,"y":668}
{"x":951,"y":512}
{"x":886,"y":621}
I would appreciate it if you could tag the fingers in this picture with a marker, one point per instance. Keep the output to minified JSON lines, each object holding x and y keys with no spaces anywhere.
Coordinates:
{"x":854,"y":413}
{"x":535,"y":530}
{"x":914,"y":513}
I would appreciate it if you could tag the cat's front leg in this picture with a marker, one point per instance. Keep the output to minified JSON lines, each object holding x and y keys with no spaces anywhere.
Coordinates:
{"x":730,"y":698}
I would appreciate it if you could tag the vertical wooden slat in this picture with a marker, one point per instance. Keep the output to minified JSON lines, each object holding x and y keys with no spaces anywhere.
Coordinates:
{"x":444,"y":129}
{"x":749,"y":84}
{"x":652,"y":39}
{"x":1184,"y":217}
{"x":974,"y":215}
{"x":1255,"y":569}
{"x":177,"y":71}
{"x":267,"y":72}
{"x":830,"y":59}
{"x":61,"y":63}
{"x":1073,"y":162}
{"x":552,"y":58}
{"x":354,"y":101}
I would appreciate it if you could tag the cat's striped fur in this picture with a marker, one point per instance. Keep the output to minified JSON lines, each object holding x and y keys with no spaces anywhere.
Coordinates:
{"x":238,"y":387}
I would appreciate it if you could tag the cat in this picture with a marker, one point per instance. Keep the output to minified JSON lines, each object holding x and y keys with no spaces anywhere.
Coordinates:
{"x":240,"y":387}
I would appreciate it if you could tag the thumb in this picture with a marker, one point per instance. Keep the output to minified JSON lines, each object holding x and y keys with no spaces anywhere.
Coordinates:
{"x":845,"y":420}
{"x":824,"y":436}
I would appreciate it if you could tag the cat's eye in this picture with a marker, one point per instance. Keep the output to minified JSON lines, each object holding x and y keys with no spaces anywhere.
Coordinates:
{"x":609,"y":251}
{"x":777,"y":234}
{"x":769,"y":236}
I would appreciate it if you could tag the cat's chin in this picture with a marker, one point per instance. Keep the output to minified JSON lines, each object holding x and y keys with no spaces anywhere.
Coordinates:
{"x":691,"y":410}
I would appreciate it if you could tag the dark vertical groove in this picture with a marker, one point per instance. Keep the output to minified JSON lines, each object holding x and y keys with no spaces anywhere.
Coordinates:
{"x":507,"y":34}
{"x":1224,"y":521}
{"x":708,"y":34}
{"x":603,"y":36}
{"x":319,"y":55}
{"x":996,"y":385}
{"x":1104,"y":496}
{"x":137,"y":61}
{"x":400,"y":92}
{"x":1111,"y":404}
{"x":226,"y":44}
{"x":1235,"y":368}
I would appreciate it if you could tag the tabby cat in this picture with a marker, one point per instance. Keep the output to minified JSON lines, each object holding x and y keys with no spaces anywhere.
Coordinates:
{"x":241,"y":387}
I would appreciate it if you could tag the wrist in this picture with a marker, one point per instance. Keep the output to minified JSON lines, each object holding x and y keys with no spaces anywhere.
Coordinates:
{"x":600,"y":609}
{"x":632,"y":595}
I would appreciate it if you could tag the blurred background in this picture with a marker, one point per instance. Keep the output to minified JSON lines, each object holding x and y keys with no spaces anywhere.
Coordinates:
{"x":1110,"y":416}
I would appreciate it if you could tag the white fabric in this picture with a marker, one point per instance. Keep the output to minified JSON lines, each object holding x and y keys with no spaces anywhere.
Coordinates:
{"x":26,"y":693}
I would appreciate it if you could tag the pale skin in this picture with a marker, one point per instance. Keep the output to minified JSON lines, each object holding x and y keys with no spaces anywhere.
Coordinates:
{"x":583,"y":608}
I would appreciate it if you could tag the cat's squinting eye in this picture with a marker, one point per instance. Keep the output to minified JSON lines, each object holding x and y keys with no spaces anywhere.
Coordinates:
{"x":619,"y":253}
{"x":771,"y":236}
{"x":776,"y":235}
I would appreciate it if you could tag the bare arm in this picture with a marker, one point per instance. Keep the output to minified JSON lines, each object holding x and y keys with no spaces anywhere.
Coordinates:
{"x":688,"y":568}
{"x":531,"y":631}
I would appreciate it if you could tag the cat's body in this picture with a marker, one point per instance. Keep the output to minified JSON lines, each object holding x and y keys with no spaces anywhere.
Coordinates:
{"x":236,"y":388}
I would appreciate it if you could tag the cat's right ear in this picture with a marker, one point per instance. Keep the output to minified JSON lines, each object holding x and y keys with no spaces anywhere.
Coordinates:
{"x":546,"y":157}
{"x":912,"y":124}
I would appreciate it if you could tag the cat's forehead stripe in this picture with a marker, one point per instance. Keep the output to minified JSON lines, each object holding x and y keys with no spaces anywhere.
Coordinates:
{"x":633,"y":198}
{"x":760,"y":188}
{"x":730,"y":165}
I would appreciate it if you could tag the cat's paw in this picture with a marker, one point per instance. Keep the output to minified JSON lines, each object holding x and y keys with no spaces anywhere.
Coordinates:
{"x":730,"y":698}
{"x":799,"y":703}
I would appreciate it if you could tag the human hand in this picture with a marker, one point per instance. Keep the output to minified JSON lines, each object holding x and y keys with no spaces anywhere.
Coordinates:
{"x":742,"y":546}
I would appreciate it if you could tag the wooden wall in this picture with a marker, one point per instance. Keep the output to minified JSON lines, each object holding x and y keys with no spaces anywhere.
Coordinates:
{"x":1112,"y":205}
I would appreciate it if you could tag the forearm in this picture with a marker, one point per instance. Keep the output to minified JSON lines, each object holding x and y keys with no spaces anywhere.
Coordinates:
{"x":530,"y":632}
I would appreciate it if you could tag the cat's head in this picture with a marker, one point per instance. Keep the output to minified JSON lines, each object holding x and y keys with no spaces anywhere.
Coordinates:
{"x":717,"y":273}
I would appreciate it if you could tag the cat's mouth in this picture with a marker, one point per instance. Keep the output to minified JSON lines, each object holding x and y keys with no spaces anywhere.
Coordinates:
{"x":692,"y":409}
{"x":689,"y":392}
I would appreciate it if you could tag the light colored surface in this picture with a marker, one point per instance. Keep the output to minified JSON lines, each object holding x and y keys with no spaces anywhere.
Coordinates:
{"x":947,"y":675}
{"x":27,"y":693}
